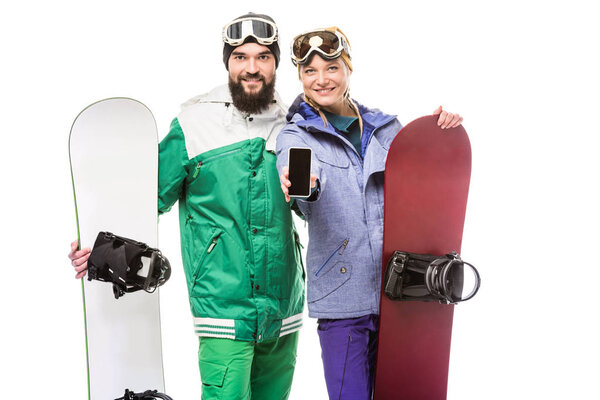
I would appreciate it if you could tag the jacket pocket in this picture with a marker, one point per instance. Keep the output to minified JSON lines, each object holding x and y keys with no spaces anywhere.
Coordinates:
{"x":338,"y":251}
{"x":215,"y":157}
{"x":335,"y":174}
{"x":328,"y":282}
{"x":211,"y":158}
{"x":333,"y":159}
{"x":299,"y":248}
{"x":205,"y":251}
{"x":333,"y":272}
{"x":222,"y":272}
{"x":285,"y":271}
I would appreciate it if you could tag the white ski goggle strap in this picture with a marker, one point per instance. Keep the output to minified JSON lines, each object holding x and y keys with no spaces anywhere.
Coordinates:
{"x":263,"y":30}
{"x":327,"y":43}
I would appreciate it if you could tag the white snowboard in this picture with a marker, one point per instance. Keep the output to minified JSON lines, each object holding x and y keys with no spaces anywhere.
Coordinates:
{"x":113,"y":148}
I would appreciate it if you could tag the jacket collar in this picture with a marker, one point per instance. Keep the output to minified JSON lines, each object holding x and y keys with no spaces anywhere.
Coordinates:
{"x":221,"y":94}
{"x":305,"y":116}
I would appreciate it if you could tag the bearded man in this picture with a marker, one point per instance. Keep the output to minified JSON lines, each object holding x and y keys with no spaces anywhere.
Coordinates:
{"x":239,"y":247}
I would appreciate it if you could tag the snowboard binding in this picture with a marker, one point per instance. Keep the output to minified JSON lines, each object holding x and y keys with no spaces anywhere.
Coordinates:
{"x":425,"y":277}
{"x":118,"y":260}
{"x":147,"y":395}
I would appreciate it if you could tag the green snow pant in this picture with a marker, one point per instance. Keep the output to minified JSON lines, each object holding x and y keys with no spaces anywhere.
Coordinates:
{"x":236,"y":370}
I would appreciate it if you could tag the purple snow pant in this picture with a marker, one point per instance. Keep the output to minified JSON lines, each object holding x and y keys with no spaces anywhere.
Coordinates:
{"x":348,"y":350}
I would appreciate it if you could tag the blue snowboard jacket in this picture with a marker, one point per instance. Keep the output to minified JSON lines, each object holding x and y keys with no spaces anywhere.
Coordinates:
{"x":345,"y":221}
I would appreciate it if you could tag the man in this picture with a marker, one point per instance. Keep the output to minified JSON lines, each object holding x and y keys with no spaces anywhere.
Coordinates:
{"x":239,"y":246}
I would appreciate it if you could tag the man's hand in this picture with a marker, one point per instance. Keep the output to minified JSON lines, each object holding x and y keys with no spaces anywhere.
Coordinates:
{"x":447,"y":120}
{"x":285,"y":182}
{"x":79,"y":259}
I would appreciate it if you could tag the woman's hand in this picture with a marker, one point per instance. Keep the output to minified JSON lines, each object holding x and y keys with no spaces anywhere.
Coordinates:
{"x":447,"y":120}
{"x":285,"y":182}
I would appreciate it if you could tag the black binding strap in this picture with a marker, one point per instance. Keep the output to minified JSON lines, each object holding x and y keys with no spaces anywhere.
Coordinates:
{"x":426,"y":277}
{"x":118,"y":260}
{"x":147,"y":395}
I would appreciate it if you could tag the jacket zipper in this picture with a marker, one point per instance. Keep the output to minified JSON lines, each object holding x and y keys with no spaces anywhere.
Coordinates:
{"x":299,"y":247}
{"x":339,"y":250}
{"x":222,"y":154}
{"x":197,"y":170}
{"x":212,"y":244}
{"x":209,"y":249}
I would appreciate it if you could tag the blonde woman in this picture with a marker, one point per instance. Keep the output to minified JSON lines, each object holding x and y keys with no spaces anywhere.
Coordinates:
{"x":349,"y":144}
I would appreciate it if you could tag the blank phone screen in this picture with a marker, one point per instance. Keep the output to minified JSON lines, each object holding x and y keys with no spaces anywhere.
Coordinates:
{"x":299,"y":165}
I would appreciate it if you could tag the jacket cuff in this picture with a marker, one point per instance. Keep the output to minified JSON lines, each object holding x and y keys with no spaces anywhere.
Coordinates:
{"x":314,"y":192}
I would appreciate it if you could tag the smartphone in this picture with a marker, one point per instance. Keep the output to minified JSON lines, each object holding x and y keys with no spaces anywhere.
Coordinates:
{"x":299,"y":161}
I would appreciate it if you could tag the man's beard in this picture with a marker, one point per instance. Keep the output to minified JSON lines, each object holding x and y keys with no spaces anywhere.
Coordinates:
{"x":253,"y":103}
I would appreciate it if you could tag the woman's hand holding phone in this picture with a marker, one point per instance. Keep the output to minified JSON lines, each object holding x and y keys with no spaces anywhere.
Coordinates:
{"x":285,"y":182}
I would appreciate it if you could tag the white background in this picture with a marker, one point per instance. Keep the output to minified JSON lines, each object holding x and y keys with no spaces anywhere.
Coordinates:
{"x":523,"y":74}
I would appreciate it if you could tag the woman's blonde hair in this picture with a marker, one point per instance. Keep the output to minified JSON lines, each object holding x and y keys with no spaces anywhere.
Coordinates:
{"x":347,"y":61}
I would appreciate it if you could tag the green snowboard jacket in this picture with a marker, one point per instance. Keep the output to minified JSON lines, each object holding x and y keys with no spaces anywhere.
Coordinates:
{"x":239,"y":246}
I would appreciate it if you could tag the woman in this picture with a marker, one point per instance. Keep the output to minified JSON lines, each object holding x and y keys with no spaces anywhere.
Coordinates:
{"x":349,"y":145}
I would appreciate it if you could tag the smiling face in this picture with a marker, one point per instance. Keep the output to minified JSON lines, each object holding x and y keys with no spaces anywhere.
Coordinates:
{"x":252,"y":65}
{"x":326,"y":82}
{"x":252,"y":77}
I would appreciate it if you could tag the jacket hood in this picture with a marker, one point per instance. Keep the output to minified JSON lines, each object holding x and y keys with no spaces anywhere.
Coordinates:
{"x":295,"y":107}
{"x":303,"y":110}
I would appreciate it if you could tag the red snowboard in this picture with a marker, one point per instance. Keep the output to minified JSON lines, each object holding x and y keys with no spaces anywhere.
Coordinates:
{"x":426,"y":185}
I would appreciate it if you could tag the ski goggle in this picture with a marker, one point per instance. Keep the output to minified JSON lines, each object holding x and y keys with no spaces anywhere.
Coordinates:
{"x":329,"y":44}
{"x":263,"y":30}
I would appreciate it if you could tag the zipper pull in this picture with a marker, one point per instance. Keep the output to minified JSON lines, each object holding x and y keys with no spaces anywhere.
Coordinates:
{"x":343,"y":247}
{"x":212,"y":245}
{"x":197,"y":170}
